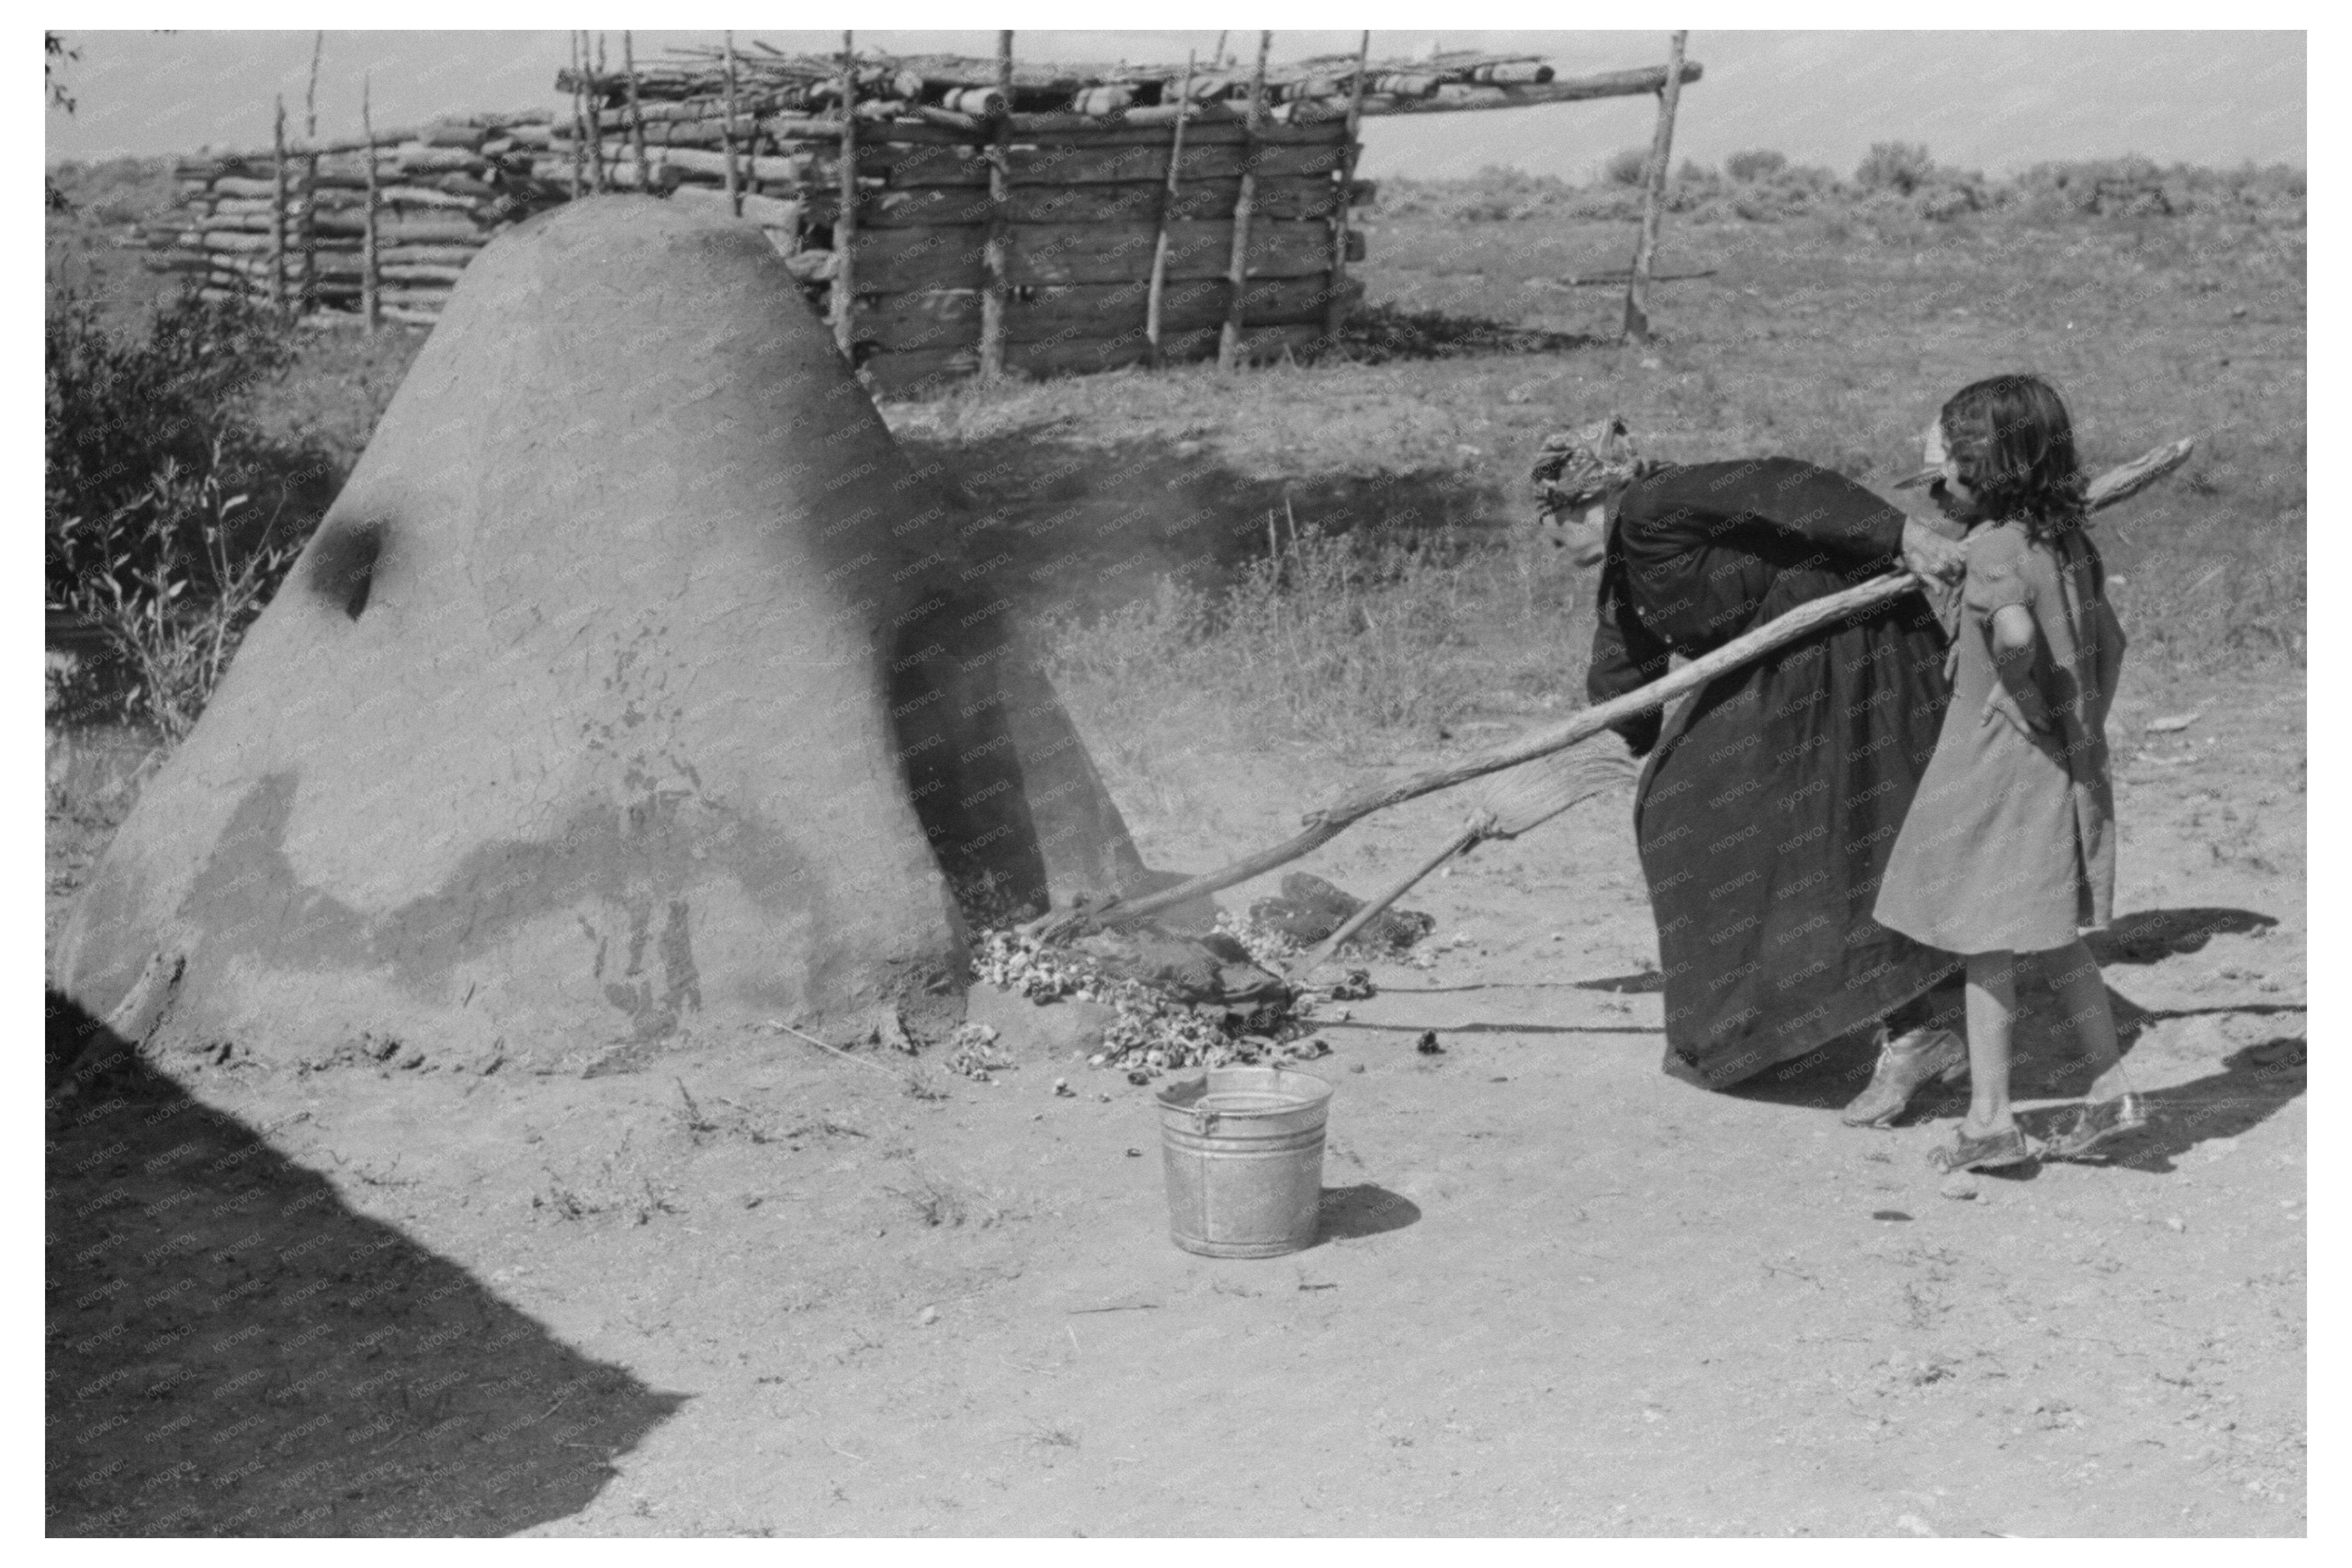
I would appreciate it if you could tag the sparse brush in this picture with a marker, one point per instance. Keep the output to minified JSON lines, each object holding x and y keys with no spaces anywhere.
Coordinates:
{"x":1340,"y":638}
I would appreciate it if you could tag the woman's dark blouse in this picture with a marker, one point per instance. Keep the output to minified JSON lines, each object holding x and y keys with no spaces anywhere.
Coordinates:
{"x":1773,"y":796}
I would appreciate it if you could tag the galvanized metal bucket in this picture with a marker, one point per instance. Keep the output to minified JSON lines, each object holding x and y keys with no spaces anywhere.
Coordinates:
{"x":1243,"y":1148}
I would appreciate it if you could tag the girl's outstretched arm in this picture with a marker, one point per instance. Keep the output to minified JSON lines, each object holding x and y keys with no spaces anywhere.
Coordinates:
{"x":2014,"y":643}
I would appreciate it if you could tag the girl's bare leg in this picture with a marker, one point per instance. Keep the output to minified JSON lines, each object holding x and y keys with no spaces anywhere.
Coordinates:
{"x":2074,"y":975}
{"x":1992,"y":1009}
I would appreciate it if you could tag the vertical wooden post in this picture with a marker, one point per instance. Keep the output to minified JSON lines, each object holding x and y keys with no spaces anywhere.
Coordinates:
{"x":308,"y":232}
{"x":1229,"y":342}
{"x":727,"y":136}
{"x":278,"y":216}
{"x":579,"y":124}
{"x":637,"y":111}
{"x":371,"y":293}
{"x":844,"y":227}
{"x":1335,"y":308}
{"x":1151,"y":304}
{"x":1653,"y":195}
{"x":591,"y":86}
{"x":1000,"y":172}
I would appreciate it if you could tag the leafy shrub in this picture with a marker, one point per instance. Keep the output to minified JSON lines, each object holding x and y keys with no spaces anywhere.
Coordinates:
{"x":1757,"y":164}
{"x":1898,"y":166}
{"x":1628,"y":168}
{"x":163,"y":510}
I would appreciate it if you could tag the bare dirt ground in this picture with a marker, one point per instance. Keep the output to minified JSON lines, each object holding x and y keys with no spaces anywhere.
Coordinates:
{"x":749,"y":1288}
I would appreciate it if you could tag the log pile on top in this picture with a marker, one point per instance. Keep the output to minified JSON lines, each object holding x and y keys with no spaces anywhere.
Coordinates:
{"x":293,"y":229}
{"x":1024,"y":215}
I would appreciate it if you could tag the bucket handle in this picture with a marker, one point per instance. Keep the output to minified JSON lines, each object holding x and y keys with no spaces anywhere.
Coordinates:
{"x":1204,"y":1120}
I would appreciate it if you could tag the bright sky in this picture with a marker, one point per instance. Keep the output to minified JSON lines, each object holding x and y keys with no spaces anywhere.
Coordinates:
{"x":1994,"y":101}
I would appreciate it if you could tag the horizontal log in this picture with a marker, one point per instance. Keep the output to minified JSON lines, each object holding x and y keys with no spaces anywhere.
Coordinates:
{"x":911,"y":259}
{"x":792,"y":168}
{"x":1307,"y":196}
{"x":903,"y":322}
{"x":824,"y":131}
{"x":395,"y":254}
{"x":769,"y":211}
{"x":899,"y":372}
{"x":393,"y":227}
{"x":419,"y":272}
{"x":240,"y":185}
{"x":621,"y":175}
{"x":418,"y":157}
{"x":1609,"y":84}
{"x":906,"y":167}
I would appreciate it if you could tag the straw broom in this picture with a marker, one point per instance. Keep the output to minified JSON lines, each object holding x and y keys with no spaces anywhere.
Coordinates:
{"x":1542,"y":793}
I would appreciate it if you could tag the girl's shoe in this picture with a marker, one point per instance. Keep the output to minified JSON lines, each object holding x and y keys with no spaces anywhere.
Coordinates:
{"x":1991,"y":1153}
{"x":2095,"y":1125}
{"x":1904,"y":1066}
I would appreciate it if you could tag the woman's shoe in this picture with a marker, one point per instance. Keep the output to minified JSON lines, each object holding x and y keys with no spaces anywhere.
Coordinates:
{"x":1904,"y":1065}
{"x":2095,"y":1125}
{"x":1991,"y":1153}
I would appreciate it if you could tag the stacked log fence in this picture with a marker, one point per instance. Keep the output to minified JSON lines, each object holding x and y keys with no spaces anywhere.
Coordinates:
{"x":985,"y":214}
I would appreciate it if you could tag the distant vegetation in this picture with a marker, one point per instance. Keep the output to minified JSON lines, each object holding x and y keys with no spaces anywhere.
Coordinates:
{"x":1761,"y":186}
{"x":191,"y":449}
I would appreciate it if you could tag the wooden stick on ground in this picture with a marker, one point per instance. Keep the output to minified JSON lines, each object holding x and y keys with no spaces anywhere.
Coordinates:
{"x":1653,"y":195}
{"x":1328,"y":822}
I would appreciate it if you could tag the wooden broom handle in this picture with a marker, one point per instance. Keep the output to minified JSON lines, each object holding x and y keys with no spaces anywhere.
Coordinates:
{"x":1328,"y":822}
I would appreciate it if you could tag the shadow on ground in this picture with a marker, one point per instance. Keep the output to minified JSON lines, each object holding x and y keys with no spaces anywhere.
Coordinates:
{"x":2150,"y":936}
{"x":1350,"y":1213}
{"x":231,"y":1351}
{"x":1086,"y":526}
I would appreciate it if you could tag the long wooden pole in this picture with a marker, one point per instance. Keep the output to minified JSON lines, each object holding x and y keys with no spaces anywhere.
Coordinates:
{"x":637,"y":111}
{"x":1335,"y":309}
{"x":996,"y":292}
{"x":1229,"y":342}
{"x":370,"y":292}
{"x":1328,"y":822}
{"x":1152,"y":299}
{"x":278,"y":216}
{"x":1521,"y":95}
{"x":309,"y":229}
{"x":579,"y":121}
{"x":1653,"y":194}
{"x":592,"y":92}
{"x":726,"y":135}
{"x":844,"y":227}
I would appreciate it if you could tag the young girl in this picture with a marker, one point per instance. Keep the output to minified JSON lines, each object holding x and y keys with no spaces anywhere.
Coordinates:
{"x":2008,"y":847}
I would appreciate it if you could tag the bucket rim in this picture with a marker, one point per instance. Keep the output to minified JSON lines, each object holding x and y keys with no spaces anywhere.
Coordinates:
{"x":1186,"y":1094}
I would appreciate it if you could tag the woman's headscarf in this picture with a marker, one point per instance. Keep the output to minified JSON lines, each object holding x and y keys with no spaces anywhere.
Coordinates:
{"x":1574,"y":467}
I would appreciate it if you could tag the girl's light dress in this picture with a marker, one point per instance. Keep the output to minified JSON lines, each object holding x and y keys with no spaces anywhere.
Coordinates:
{"x":2009,"y":843}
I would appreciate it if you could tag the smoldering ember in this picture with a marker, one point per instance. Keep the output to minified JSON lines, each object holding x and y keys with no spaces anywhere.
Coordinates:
{"x":866,"y":792}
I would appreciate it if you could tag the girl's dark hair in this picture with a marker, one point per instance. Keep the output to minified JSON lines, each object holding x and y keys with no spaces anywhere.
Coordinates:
{"x":2014,"y":446}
